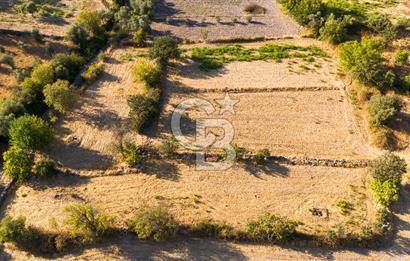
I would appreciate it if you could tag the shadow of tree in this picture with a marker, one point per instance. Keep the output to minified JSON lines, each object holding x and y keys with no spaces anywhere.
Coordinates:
{"x":161,"y":169}
{"x":271,"y":169}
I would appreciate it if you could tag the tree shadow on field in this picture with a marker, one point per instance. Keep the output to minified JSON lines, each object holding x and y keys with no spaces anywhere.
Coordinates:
{"x":161,"y":169}
{"x":163,"y":8}
{"x":402,"y":123}
{"x":271,"y":169}
{"x":191,"y":70}
{"x":61,"y":179}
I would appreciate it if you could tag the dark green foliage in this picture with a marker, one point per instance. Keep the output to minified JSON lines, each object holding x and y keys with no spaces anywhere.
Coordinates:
{"x":152,"y":223}
{"x":45,"y":167}
{"x":128,"y":152}
{"x":271,"y":228}
{"x":382,"y":109}
{"x":9,"y":110}
{"x":93,"y":72}
{"x":12,"y":230}
{"x":142,"y":7}
{"x":302,"y":9}
{"x":67,"y":66}
{"x":261,"y":156}
{"x":37,"y":36}
{"x":334,"y":30}
{"x":17,"y":163}
{"x":388,"y":167}
{"x":87,"y":222}
{"x":30,"y":132}
{"x":382,"y":25}
{"x":164,"y":48}
{"x":143,"y":108}
{"x":21,"y":74}
{"x":401,"y":57}
{"x":168,"y":146}
{"x":139,"y":37}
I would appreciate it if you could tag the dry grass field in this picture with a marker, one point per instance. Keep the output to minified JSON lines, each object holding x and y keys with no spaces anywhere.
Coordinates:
{"x":216,"y":19}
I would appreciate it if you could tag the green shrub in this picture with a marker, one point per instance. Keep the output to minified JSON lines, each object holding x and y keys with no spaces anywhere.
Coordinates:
{"x":93,"y":72}
{"x":45,"y":167}
{"x":403,"y":83}
{"x":388,"y":167}
{"x":213,"y":229}
{"x":261,"y":156}
{"x":12,"y":230}
{"x":60,"y":95}
{"x":168,"y":146}
{"x":385,"y":193}
{"x":164,"y":48}
{"x":271,"y":228}
{"x":142,"y":7}
{"x":381,"y":24}
{"x":7,"y":60}
{"x":30,"y":132}
{"x":148,"y":72}
{"x":382,"y":109}
{"x":316,"y":22}
{"x":363,"y":59}
{"x":401,"y":57}
{"x":67,"y":66}
{"x":21,"y":74}
{"x":128,"y":152}
{"x":17,"y":163}
{"x":43,"y":74}
{"x":139,"y":37}
{"x":143,"y":108}
{"x":384,"y":80}
{"x":302,"y":9}
{"x":344,"y":206}
{"x":9,"y":110}
{"x":87,"y":222}
{"x":152,"y":223}
{"x":335,"y":30}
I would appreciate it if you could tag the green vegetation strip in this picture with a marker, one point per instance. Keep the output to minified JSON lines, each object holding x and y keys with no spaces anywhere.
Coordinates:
{"x":215,"y":57}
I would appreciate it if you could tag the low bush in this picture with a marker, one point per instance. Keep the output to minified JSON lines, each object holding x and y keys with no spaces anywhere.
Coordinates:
{"x":302,"y":9}
{"x":334,"y":30}
{"x":30,"y":132}
{"x":21,"y":74}
{"x":139,"y":37}
{"x":148,"y":72}
{"x":152,"y":223}
{"x":384,"y":192}
{"x":7,"y":60}
{"x":67,"y":66}
{"x":43,"y":74}
{"x":344,"y":206}
{"x":382,"y":109}
{"x":164,"y":48}
{"x":60,"y":95}
{"x":261,"y":156}
{"x":388,"y":167}
{"x":143,"y":108}
{"x":384,"y":138}
{"x":363,"y":59}
{"x":382,"y":25}
{"x":128,"y":152}
{"x":9,"y":110}
{"x":401,"y":57}
{"x":168,"y":146}
{"x":271,"y":228}
{"x":45,"y":167}
{"x":17,"y":163}
{"x":403,"y":83}
{"x":12,"y":230}
{"x":213,"y":229}
{"x":93,"y":72}
{"x":87,"y":222}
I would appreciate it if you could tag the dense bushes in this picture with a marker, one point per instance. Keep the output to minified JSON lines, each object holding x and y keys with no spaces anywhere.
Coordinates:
{"x":147,"y":72}
{"x":143,"y":108}
{"x":164,"y":48}
{"x":60,"y":95}
{"x":335,"y":30}
{"x":12,"y":230}
{"x":302,"y":9}
{"x":86,"y":221}
{"x":382,"y":109}
{"x":45,"y":167}
{"x":93,"y":72}
{"x":17,"y":163}
{"x":387,"y":172}
{"x":381,"y":25}
{"x":152,"y":223}
{"x":401,"y":57}
{"x":271,"y":228}
{"x":67,"y":66}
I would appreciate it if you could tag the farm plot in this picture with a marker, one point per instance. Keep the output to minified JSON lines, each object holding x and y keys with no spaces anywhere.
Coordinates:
{"x":86,"y":135}
{"x":234,"y":196}
{"x":216,"y":19}
{"x":25,"y":51}
{"x":300,"y":123}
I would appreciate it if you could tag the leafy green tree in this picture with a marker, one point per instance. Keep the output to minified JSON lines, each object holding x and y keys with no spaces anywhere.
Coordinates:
{"x":382,"y":109}
{"x":45,"y":167}
{"x":143,"y":108}
{"x":17,"y":163}
{"x":148,"y":72}
{"x":30,"y":132}
{"x":335,"y":30}
{"x":388,"y":167}
{"x":164,"y":48}
{"x":60,"y":95}
{"x":67,"y":66}
{"x":43,"y":74}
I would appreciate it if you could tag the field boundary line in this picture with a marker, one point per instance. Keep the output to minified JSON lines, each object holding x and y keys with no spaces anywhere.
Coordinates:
{"x":253,"y":90}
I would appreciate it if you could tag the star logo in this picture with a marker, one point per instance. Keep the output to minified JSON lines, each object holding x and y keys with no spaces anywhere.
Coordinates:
{"x":227,"y":104}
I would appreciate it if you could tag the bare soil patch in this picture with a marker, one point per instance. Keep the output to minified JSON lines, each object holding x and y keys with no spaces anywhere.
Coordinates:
{"x":232,"y":196}
{"x":216,"y":19}
{"x":301,"y":123}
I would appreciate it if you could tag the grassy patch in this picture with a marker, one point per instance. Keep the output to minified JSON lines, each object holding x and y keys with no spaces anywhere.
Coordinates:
{"x":216,"y":57}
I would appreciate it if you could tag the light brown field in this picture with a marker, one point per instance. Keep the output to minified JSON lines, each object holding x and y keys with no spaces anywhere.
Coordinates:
{"x":301,"y":123}
{"x":232,"y":196}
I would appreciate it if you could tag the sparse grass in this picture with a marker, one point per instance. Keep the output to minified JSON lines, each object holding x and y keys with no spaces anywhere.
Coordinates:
{"x":214,"y":57}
